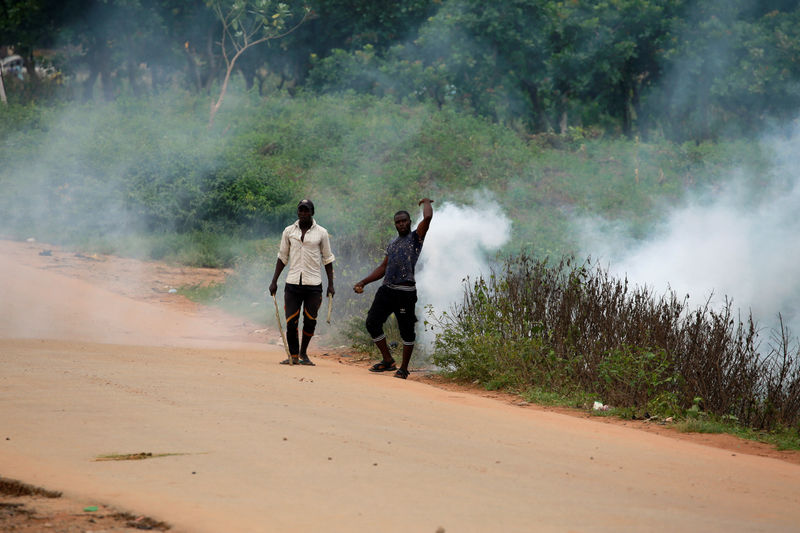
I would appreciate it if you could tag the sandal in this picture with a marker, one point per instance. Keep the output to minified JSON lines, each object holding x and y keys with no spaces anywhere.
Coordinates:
{"x":295,"y":361}
{"x":383,"y":366}
{"x":306,"y":361}
{"x":402,"y":374}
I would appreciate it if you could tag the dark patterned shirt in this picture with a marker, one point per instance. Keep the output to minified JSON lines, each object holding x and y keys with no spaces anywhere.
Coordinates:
{"x":403,"y":253}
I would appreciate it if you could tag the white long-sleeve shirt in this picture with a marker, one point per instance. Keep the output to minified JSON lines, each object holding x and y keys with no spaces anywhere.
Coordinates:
{"x":305,"y":257}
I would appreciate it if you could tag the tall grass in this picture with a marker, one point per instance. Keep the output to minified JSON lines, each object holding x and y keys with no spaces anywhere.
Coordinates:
{"x":572,"y":327}
{"x":150,"y":166}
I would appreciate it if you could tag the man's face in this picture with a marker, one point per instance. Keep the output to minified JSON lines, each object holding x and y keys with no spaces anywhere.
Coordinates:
{"x":303,"y":214}
{"x":403,"y":224}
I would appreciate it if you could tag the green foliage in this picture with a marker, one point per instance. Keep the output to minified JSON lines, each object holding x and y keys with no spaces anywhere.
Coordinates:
{"x":134,"y":166}
{"x":783,"y":438}
{"x":246,"y":24}
{"x":685,"y":70}
{"x":681,"y":70}
{"x":635,"y":375}
{"x":570,"y":327}
{"x":19,"y":118}
{"x":665,"y":404}
{"x":542,"y":395}
{"x":150,"y":165}
{"x":729,"y":71}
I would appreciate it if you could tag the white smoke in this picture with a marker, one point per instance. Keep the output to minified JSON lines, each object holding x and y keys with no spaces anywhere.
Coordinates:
{"x":741,"y":243}
{"x":458,"y":245}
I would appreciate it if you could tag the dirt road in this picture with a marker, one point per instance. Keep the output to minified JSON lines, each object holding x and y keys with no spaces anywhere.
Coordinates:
{"x":241,"y":443}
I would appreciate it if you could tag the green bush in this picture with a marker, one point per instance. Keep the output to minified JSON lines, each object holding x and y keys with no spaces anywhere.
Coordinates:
{"x":636,"y":376}
{"x":571,"y":327}
{"x":151,"y":165}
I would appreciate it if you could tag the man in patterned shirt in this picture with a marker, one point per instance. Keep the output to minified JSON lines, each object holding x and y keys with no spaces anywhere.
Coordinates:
{"x":305,"y":245}
{"x":398,"y":294}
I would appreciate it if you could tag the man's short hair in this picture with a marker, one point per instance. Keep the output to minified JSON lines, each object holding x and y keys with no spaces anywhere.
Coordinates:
{"x":403,"y":212}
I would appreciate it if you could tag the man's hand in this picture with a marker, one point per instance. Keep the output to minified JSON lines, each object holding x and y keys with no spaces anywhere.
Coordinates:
{"x":331,"y":290}
{"x":273,"y":287}
{"x":358,"y":287}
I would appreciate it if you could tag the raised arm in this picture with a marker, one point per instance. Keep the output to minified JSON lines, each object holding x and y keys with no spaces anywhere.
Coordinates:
{"x":427,"y":215}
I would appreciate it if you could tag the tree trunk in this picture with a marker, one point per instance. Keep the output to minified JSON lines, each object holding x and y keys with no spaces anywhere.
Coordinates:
{"x":131,"y":67}
{"x":2,"y":89}
{"x":156,"y":74}
{"x":193,"y":74}
{"x":215,"y":106}
{"x":627,"y":110}
{"x":88,"y":85}
{"x":563,"y":122}
{"x":539,"y":120}
{"x":30,"y":67}
{"x":108,"y":87}
{"x":98,"y":68}
{"x":211,"y":61}
{"x":132,"y":78}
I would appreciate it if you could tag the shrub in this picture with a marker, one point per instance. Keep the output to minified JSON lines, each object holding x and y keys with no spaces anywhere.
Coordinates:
{"x":571,"y":327}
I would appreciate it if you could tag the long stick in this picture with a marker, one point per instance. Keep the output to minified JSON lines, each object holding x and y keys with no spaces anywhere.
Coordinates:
{"x":280,"y":327}
{"x":330,"y":304}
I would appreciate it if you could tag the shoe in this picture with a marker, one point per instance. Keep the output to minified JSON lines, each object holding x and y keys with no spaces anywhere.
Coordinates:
{"x":295,"y":361}
{"x":306,"y":361}
{"x":402,"y":374}
{"x":383,"y":366}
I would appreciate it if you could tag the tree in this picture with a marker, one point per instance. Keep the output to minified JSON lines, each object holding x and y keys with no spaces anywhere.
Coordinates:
{"x":761,"y":79}
{"x":504,"y":63}
{"x":28,"y":24}
{"x":617,"y":52}
{"x":727,"y":70}
{"x":191,"y":28}
{"x":245,"y":24}
{"x":114,"y":38}
{"x":344,"y":25}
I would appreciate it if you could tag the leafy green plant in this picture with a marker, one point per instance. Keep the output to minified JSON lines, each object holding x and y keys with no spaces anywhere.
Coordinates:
{"x":570,"y":326}
{"x":634,"y":376}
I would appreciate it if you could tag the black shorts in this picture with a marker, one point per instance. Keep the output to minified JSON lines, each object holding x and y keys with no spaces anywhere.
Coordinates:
{"x":388,"y":301}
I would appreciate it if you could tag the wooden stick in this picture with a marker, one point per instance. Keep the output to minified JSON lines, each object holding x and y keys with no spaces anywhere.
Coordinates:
{"x":280,"y":327}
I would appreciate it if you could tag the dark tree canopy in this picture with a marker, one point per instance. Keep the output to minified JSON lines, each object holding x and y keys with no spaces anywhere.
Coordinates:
{"x":678,"y":68}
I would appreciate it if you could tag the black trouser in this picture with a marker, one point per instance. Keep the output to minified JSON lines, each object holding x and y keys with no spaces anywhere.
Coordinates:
{"x":388,"y":301}
{"x":309,"y":297}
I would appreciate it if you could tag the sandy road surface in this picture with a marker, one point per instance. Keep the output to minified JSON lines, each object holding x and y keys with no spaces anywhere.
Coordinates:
{"x":258,"y":446}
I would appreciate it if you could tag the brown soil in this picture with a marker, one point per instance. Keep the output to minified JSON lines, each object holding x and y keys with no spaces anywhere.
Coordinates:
{"x":145,"y":281}
{"x":150,"y":283}
{"x":659,"y":427}
{"x":28,"y":508}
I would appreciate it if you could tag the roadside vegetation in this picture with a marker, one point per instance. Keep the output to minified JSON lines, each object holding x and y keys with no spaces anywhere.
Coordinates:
{"x":164,"y":185}
{"x":594,"y":338}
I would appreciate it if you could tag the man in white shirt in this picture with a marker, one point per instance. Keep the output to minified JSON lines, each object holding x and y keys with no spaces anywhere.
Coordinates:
{"x":305,"y":245}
